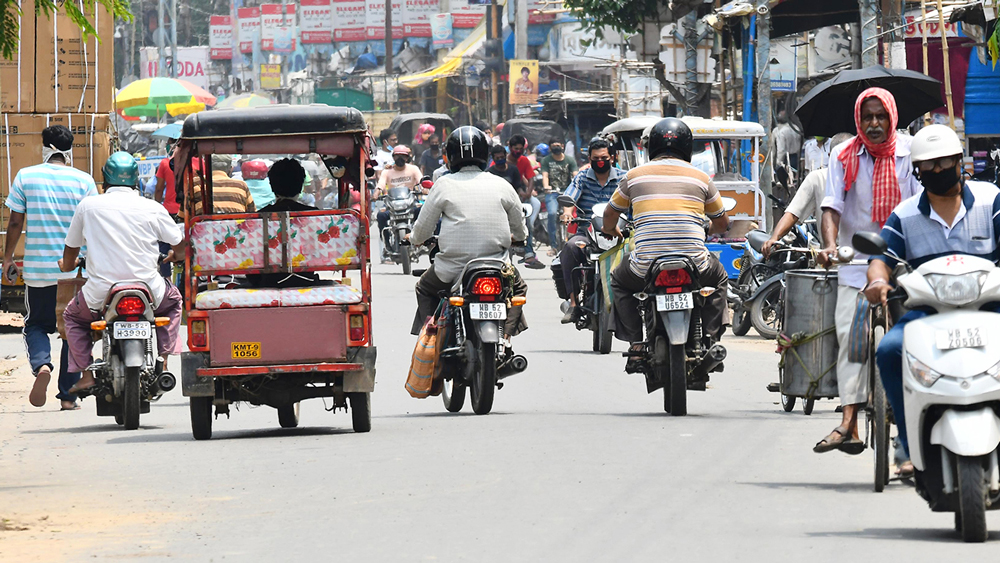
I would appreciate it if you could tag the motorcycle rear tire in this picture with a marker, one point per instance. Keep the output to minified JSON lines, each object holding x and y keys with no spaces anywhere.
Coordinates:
{"x":131,"y":401}
{"x":741,"y":316}
{"x":972,"y":499}
{"x":673,"y":375}
{"x":602,"y":336}
{"x":361,"y":411}
{"x":453,"y":395}
{"x":758,"y":311}
{"x":288,"y":415}
{"x":484,"y":381}
{"x":201,"y":417}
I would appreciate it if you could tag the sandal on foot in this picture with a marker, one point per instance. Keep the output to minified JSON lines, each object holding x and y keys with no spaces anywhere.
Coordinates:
{"x":832,"y":441}
{"x":41,"y":384}
{"x":852,"y":446}
{"x":905,"y":470}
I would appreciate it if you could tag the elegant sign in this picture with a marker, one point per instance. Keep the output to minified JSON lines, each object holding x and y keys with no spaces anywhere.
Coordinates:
{"x":277,"y":27}
{"x":220,"y":37}
{"x":467,"y":16}
{"x":417,"y":17}
{"x":316,"y":21}
{"x":375,"y":19}
{"x":249,"y":19}
{"x":349,"y":20}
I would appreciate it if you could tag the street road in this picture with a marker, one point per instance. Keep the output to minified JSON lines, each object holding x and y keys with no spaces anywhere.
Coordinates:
{"x":576,"y":463}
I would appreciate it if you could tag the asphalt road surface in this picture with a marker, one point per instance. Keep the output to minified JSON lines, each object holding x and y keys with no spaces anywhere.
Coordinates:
{"x":576,"y":463}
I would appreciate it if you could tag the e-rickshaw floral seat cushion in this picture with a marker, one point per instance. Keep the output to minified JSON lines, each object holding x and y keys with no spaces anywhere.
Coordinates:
{"x":238,"y":244}
{"x":256,"y":298}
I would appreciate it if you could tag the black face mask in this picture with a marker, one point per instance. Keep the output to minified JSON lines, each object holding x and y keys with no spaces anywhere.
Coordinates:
{"x":939,"y":183}
{"x":435,"y":147}
{"x":399,"y":161}
{"x":600,"y":166}
{"x":557,"y":150}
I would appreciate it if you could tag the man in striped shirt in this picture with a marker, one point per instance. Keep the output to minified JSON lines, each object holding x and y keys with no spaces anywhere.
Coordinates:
{"x":45,"y":197}
{"x":228,"y":195}
{"x":670,"y":199}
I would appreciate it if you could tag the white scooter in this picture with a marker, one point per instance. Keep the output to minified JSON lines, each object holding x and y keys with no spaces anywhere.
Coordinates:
{"x":951,"y":383}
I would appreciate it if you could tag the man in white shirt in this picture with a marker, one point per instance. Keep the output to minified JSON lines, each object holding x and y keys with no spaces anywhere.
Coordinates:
{"x":869,"y":176}
{"x":121,"y":230}
{"x":387,"y":139}
{"x":816,"y":152}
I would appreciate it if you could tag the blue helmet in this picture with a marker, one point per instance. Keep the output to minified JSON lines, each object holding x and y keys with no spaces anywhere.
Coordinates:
{"x":121,"y":169}
{"x":542,"y":149}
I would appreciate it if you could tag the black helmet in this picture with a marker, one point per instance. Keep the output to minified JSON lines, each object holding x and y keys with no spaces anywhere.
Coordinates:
{"x":467,"y":146}
{"x":670,"y":135}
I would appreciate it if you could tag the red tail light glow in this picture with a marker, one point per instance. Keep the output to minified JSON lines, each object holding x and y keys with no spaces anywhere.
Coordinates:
{"x":672,"y":278}
{"x":198,"y":334}
{"x":130,"y":305}
{"x":357,"y":328}
{"x":487,"y":286}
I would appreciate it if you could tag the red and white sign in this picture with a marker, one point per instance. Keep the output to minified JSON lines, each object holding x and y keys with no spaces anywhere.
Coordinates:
{"x":349,"y":20}
{"x":915,"y":30}
{"x":192,"y":63}
{"x":417,"y":17}
{"x":249,"y":19}
{"x":534,"y":12}
{"x":316,"y":21}
{"x":276,"y":23}
{"x":220,"y":37}
{"x":467,"y":16}
{"x":375,"y":19}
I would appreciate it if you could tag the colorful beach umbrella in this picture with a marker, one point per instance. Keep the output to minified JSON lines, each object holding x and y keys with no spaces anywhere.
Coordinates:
{"x":158,"y":92}
{"x":171,"y":131}
{"x":244,"y":101}
{"x":155,"y":110}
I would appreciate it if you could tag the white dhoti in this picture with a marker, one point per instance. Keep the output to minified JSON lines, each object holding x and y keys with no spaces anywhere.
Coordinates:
{"x":852,"y":378}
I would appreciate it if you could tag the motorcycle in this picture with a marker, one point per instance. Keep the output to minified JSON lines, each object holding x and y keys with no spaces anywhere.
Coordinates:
{"x":477,"y":355}
{"x":129,"y":375}
{"x":594,"y":310}
{"x":746,"y":283}
{"x":951,"y":383}
{"x":401,"y":203}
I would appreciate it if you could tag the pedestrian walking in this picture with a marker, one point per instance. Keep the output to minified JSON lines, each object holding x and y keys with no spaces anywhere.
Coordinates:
{"x":42,"y":201}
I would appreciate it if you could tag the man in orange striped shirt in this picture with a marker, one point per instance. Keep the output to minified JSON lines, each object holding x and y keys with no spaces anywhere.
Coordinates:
{"x":670,"y":199}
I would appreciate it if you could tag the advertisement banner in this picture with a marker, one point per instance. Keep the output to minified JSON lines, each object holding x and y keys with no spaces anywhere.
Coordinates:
{"x":249,"y":19}
{"x":277,"y":27}
{"x":441,"y":31}
{"x":270,"y":77}
{"x":417,"y":17}
{"x":523,"y":82}
{"x":316,"y":21}
{"x":349,"y":20}
{"x":375,"y":19}
{"x":467,"y":16}
{"x":784,"y":64}
{"x":220,"y":37}
{"x":192,"y":64}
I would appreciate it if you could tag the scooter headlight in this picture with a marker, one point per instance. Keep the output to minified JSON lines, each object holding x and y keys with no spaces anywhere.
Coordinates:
{"x":957,"y":290}
{"x":401,"y":204}
{"x":921,"y":372}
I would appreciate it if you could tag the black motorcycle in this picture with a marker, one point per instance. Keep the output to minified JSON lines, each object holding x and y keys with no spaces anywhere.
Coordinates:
{"x":402,"y":204}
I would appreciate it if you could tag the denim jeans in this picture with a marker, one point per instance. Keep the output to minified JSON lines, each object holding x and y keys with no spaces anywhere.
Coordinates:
{"x":39,"y":323}
{"x":889,"y":358}
{"x":529,"y":243}
{"x":552,"y":208}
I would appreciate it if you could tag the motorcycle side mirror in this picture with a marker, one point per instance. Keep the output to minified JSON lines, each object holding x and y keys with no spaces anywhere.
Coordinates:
{"x":566,"y":201}
{"x":869,"y":243}
{"x":426,"y":184}
{"x":369,"y":171}
{"x":757,"y":240}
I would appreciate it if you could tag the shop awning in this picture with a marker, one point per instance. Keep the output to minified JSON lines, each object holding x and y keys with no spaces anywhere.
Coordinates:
{"x":452,"y":65}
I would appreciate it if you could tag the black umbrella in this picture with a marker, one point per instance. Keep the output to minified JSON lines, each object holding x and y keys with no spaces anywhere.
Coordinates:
{"x":828,"y":108}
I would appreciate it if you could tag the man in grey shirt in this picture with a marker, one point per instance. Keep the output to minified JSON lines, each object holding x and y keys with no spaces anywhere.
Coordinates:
{"x":480,"y":216}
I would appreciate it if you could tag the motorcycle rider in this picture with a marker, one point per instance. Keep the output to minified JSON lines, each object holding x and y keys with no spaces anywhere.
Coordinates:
{"x":594,"y":185}
{"x":670,"y":198}
{"x":480,"y":216}
{"x":951,"y":216}
{"x":401,"y":174}
{"x":121,"y":230}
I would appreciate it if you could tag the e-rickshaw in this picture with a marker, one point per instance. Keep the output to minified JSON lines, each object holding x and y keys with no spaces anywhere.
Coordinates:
{"x":277,"y":345}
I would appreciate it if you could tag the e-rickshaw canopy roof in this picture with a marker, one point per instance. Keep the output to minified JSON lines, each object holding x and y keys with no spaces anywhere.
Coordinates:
{"x":273,"y":120}
{"x":639,"y":124}
{"x":723,"y":129}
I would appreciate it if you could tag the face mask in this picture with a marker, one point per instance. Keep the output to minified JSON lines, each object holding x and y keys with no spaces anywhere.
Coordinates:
{"x":517,"y":154}
{"x":435,"y":147}
{"x":939,"y":183}
{"x":600,"y":166}
{"x":49,"y":152}
{"x":399,"y":161}
{"x":501,"y":164}
{"x":557,"y":150}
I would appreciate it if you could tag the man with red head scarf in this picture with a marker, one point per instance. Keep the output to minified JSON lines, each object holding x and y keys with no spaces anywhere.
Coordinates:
{"x":869,"y":175}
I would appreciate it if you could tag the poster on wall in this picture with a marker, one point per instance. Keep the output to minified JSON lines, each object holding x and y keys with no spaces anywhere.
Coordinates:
{"x":375,"y":19}
{"x":830,"y":47}
{"x":316,"y":21}
{"x":523,"y":82}
{"x":270,"y":77}
{"x":349,"y":20}
{"x":784,"y":64}
{"x":467,"y":16}
{"x":249,"y":19}
{"x":220,"y":37}
{"x":417,"y":17}
{"x":277,"y":27}
{"x":441,"y":31}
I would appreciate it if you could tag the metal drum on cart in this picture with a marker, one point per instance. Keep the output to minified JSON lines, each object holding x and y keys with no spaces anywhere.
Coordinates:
{"x":809,"y":338}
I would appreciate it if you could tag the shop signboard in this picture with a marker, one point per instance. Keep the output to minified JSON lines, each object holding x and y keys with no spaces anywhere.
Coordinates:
{"x":220,"y":37}
{"x":784,"y":64}
{"x":523,"y":82}
{"x":375,"y":19}
{"x":192,"y":64}
{"x":277,"y":27}
{"x":249,"y":19}
{"x":915,"y":28}
{"x":467,"y":16}
{"x":441,"y":31}
{"x":270,"y":77}
{"x":316,"y":22}
{"x":349,"y":20}
{"x":417,"y":17}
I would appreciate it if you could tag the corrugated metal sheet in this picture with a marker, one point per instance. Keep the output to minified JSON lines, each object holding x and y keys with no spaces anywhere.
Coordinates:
{"x":982,"y":98}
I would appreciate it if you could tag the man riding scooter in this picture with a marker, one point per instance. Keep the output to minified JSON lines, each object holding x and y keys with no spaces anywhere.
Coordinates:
{"x":952,"y":216}
{"x":121,"y":230}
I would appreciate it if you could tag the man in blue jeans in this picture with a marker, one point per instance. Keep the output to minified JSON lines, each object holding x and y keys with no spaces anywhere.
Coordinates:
{"x":558,"y":171}
{"x":951,"y":216}
{"x":44,"y":198}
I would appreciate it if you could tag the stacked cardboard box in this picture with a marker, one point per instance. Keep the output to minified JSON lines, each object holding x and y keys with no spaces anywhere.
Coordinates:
{"x":56,"y":78}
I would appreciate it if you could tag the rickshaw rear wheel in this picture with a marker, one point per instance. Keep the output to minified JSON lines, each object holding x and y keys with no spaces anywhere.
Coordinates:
{"x":288,"y":415}
{"x":361,"y":411}
{"x":201,"y":417}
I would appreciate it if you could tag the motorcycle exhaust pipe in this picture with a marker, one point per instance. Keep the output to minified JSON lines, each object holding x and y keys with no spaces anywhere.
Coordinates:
{"x":516,"y":365}
{"x":166,"y":381}
{"x":715,"y":356}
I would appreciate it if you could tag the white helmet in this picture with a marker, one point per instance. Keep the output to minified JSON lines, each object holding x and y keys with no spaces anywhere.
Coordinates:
{"x":934,"y":141}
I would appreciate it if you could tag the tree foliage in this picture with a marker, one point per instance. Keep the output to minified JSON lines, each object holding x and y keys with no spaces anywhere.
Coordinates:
{"x":624,"y":16}
{"x":76,"y":10}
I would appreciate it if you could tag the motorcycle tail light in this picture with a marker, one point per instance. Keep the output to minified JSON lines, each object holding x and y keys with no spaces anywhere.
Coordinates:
{"x":199,"y":334}
{"x":357,"y":328}
{"x":487,"y":286}
{"x":130,"y":305}
{"x":672,"y":278}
